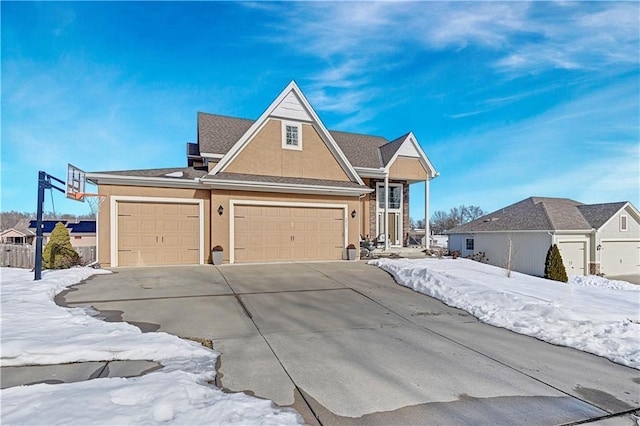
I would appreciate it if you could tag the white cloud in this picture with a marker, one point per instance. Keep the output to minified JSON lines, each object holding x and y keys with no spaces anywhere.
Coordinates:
{"x":360,"y":42}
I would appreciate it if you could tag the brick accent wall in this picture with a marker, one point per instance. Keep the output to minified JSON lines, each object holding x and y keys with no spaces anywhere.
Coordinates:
{"x":372,"y":209}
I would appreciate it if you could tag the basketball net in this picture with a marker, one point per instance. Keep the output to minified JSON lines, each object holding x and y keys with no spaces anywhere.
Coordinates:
{"x":94,"y":201}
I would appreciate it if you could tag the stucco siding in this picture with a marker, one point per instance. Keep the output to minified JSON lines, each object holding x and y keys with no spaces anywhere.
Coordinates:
{"x":407,"y":168}
{"x":264,"y":155}
{"x":611,"y":229}
{"x":104,"y":216}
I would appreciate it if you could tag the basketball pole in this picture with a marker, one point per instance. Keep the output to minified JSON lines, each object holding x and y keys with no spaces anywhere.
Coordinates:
{"x":44,"y":182}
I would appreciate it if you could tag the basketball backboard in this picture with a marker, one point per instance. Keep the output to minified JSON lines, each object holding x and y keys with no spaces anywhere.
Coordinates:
{"x":75,"y":183}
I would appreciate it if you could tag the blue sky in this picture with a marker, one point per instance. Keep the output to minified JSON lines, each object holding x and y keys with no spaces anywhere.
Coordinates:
{"x":508,"y":99}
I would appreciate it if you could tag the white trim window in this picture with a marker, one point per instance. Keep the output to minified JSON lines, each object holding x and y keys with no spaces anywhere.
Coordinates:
{"x":395,"y":196}
{"x":469,"y":243}
{"x":623,"y":223}
{"x":291,"y":135}
{"x":395,"y":210}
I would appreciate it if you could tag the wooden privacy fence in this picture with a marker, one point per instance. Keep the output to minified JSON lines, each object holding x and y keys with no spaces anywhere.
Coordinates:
{"x":24,"y":255}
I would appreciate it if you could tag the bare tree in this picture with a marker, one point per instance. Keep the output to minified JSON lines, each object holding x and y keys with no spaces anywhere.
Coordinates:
{"x":442,"y":221}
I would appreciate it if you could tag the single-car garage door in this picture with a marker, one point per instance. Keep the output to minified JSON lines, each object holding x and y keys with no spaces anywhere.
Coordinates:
{"x":573,"y":256}
{"x":158,"y":234}
{"x":620,"y":257}
{"x":273,"y":234}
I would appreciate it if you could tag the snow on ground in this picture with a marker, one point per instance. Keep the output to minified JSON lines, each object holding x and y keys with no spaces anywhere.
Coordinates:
{"x":37,"y":331}
{"x":589,"y":313}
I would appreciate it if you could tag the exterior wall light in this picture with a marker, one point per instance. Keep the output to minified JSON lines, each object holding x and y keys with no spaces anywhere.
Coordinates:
{"x":353,"y":214}
{"x":220,"y":210}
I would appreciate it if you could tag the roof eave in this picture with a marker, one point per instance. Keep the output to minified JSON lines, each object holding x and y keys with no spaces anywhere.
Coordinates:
{"x":238,"y":185}
{"x":108,"y":179}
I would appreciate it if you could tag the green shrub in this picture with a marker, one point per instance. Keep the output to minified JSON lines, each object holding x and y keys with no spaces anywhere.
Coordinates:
{"x":554,"y":267}
{"x":58,"y":253}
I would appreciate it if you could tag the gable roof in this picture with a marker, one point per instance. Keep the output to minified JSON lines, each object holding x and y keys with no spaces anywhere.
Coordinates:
{"x":388,"y":151}
{"x":21,"y":227}
{"x":543,"y":214}
{"x":219,"y":134}
{"x":278,"y":107}
{"x":598,"y":214}
{"x":361,"y":150}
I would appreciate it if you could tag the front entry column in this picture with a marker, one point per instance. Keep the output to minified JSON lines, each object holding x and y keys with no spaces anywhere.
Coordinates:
{"x":427,"y":230}
{"x":386,"y":212}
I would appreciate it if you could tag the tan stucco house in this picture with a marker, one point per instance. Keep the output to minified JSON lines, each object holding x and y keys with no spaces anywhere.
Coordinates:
{"x":278,"y":188}
{"x":592,"y":238}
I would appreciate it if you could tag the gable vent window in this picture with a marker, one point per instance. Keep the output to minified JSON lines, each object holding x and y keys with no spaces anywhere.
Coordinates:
{"x":291,"y":135}
{"x":623,"y":222}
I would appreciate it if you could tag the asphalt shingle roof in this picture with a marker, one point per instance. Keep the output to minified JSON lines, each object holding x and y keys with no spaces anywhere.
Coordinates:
{"x":188,"y":173}
{"x":543,"y":214}
{"x":218,"y":133}
{"x":598,"y":214}
{"x":387,"y":151}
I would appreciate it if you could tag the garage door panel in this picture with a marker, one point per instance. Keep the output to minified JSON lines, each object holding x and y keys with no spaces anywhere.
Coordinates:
{"x":158,"y":233}
{"x":620,"y":257}
{"x":274,"y":233}
{"x":573,"y":256}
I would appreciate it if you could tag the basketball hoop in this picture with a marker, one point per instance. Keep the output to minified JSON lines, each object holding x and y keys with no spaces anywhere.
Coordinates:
{"x":94,"y":201}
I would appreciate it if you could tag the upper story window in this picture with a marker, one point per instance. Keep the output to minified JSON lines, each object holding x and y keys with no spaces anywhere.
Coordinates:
{"x":623,"y":222}
{"x":395,"y":196}
{"x":291,"y":135}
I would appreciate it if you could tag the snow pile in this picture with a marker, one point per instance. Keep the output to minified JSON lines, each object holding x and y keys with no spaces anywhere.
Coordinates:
{"x":596,"y":281}
{"x":37,"y":331}
{"x":593,"y":315}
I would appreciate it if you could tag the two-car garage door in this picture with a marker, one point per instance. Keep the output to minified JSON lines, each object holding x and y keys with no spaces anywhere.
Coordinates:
{"x":154,"y":233}
{"x":279,"y":233}
{"x":168,"y":233}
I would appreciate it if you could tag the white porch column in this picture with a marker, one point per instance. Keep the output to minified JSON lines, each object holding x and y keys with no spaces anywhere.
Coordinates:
{"x":386,"y":212}
{"x":426,"y":213}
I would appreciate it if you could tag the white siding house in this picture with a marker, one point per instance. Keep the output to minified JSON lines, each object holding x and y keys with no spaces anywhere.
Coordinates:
{"x":593,"y":239}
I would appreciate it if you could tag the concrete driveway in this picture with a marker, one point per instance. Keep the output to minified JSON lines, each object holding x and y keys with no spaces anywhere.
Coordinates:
{"x":344,"y":344}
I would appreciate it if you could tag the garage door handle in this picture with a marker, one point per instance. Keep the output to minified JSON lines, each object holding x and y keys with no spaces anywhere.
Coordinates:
{"x":193,"y":249}
{"x":239,"y":248}
{"x":124,"y":250}
{"x":239,"y":217}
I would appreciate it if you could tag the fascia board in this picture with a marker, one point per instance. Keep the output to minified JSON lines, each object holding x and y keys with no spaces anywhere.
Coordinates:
{"x":106,"y":179}
{"x":513,"y":231}
{"x":370,"y":173}
{"x":288,"y":188}
{"x":208,"y":155}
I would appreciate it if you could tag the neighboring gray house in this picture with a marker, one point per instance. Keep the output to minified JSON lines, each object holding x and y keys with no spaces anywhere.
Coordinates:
{"x":592,"y":238}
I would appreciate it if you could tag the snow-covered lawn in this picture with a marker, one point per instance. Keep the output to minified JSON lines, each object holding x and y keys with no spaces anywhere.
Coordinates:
{"x":37,"y":331}
{"x":591,"y":313}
